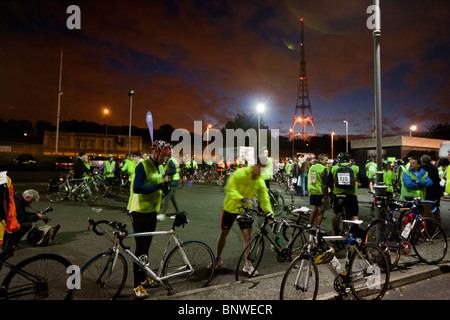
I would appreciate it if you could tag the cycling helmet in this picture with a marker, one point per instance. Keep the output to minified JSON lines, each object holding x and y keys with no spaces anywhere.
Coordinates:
{"x":325,"y":257}
{"x":343,"y":156}
{"x":386,"y":163}
{"x":161,"y":146}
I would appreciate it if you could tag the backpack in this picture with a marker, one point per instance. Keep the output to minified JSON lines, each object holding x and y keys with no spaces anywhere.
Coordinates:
{"x":345,"y":177}
{"x":43,"y":235}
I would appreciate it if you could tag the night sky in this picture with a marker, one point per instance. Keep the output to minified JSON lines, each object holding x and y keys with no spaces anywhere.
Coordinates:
{"x":208,"y":60}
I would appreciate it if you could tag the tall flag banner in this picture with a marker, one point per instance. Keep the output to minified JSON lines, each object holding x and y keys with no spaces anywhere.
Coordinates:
{"x":149,"y":119}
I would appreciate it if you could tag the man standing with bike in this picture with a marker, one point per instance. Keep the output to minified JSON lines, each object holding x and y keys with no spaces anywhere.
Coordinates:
{"x":241,"y":187}
{"x":146,"y":193}
{"x":343,"y":180}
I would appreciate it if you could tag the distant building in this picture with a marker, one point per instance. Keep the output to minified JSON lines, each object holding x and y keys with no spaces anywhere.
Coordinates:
{"x":398,"y":147}
{"x":71,"y":143}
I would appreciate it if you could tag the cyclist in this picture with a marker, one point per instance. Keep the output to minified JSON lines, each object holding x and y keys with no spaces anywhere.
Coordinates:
{"x":268,"y":170}
{"x":241,"y":187}
{"x":8,"y":219}
{"x":318,"y":189}
{"x":172,"y":171}
{"x":109,"y":168}
{"x":415,"y":180}
{"x":371,"y":170}
{"x":145,"y":201}
{"x":81,"y":168}
{"x":343,"y":183}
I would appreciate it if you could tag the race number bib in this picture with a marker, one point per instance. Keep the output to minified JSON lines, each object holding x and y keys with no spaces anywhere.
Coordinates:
{"x":312,"y":177}
{"x":344,"y":178}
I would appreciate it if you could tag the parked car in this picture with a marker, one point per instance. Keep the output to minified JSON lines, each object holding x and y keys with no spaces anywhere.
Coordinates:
{"x":96,"y":161}
{"x":25,"y":161}
{"x":64,"y":163}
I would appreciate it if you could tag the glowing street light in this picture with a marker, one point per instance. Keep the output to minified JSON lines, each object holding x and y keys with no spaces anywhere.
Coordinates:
{"x":346,"y":135}
{"x":411,"y":129}
{"x":332,"y":135}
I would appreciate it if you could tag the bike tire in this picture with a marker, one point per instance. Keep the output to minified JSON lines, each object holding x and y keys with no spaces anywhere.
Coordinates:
{"x":59,"y":195}
{"x":256,"y":247}
{"x":369,"y":272}
{"x":202,"y":260}
{"x":301,"y":280}
{"x":41,"y":277}
{"x":279,"y":205}
{"x":98,"y":281}
{"x":429,"y":240}
{"x":387,"y":238}
{"x":297,"y":242}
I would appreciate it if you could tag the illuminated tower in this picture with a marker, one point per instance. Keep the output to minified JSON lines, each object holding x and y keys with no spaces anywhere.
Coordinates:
{"x":303,"y":114}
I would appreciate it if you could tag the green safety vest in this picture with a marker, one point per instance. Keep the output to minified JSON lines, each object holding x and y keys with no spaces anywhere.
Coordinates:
{"x":85,"y":175}
{"x":354,"y":190}
{"x":176,"y":176}
{"x":266,"y":174}
{"x":129,"y":166}
{"x":315,"y":179}
{"x":147,"y":202}
{"x":409,"y":192}
{"x":388,"y":177}
{"x":371,"y":170}
{"x":108,"y":170}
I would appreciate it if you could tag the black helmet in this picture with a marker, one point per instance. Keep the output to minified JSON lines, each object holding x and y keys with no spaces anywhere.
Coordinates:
{"x":343,"y":156}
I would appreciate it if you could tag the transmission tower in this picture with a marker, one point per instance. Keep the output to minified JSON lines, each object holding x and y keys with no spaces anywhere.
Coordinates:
{"x":303,"y":114}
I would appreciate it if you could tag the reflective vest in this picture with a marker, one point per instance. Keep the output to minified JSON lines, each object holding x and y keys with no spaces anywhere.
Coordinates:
{"x":410,"y":192}
{"x":129,"y":166}
{"x":8,"y":223}
{"x":242,"y":185}
{"x":147,"y":202}
{"x":354,"y":190}
{"x":315,"y":179}
{"x":176,"y":176}
{"x":266,"y":174}
{"x":221,"y":166}
{"x":108,"y":170}
{"x":388,"y":177}
{"x":85,"y":175}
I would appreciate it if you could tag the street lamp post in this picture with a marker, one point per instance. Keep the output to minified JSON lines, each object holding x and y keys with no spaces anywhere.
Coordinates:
{"x":260,"y":109}
{"x":130,"y":94}
{"x":332,"y":146}
{"x":346,"y":135}
{"x":207,"y":139}
{"x":106,"y":112}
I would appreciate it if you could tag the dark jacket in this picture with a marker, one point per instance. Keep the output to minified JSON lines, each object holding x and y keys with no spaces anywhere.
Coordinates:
{"x":23,"y":210}
{"x":434,"y":192}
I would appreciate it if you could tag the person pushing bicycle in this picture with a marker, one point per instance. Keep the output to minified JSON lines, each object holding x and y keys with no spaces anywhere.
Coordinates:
{"x":241,"y":187}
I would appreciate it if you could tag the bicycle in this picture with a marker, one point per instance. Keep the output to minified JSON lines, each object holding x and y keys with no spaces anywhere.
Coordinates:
{"x":188,"y":265}
{"x":41,"y":277}
{"x":286,"y":239}
{"x":276,"y":200}
{"x":86,"y":190}
{"x":396,"y":235}
{"x":366,"y":271}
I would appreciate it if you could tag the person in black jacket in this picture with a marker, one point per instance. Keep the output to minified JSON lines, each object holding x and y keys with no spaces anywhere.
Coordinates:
{"x":433,"y":192}
{"x":25,"y":214}
{"x":79,"y":168}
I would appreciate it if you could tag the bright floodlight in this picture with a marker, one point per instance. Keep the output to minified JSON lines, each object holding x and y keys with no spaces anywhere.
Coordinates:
{"x":260,"y":107}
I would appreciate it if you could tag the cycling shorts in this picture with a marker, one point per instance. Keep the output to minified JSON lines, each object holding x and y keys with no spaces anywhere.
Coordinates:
{"x":228,"y":218}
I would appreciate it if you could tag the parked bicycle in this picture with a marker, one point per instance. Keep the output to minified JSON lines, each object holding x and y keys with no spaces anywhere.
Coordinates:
{"x":188,"y":265}
{"x":285,"y":236}
{"x":365,"y":275}
{"x":403,"y":226}
{"x":41,"y":277}
{"x":84,"y":189}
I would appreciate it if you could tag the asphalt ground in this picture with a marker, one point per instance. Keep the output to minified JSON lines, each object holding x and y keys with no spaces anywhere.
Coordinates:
{"x":203,"y":201}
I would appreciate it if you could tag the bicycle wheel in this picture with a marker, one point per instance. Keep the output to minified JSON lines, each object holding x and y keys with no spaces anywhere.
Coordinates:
{"x":252,"y":254}
{"x":58,"y":195}
{"x":41,"y":277}
{"x":297,"y":238}
{"x":301,"y":280}
{"x":429,"y":240}
{"x":200,"y":257}
{"x":387,"y":238}
{"x":103,"y":277}
{"x":277,"y":201}
{"x":369,"y":272}
{"x":89,"y":192}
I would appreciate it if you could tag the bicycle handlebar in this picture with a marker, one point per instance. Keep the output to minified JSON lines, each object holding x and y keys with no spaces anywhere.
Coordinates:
{"x":122,"y":232}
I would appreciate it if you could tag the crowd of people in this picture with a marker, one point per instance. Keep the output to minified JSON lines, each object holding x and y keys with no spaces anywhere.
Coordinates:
{"x":154,"y":176}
